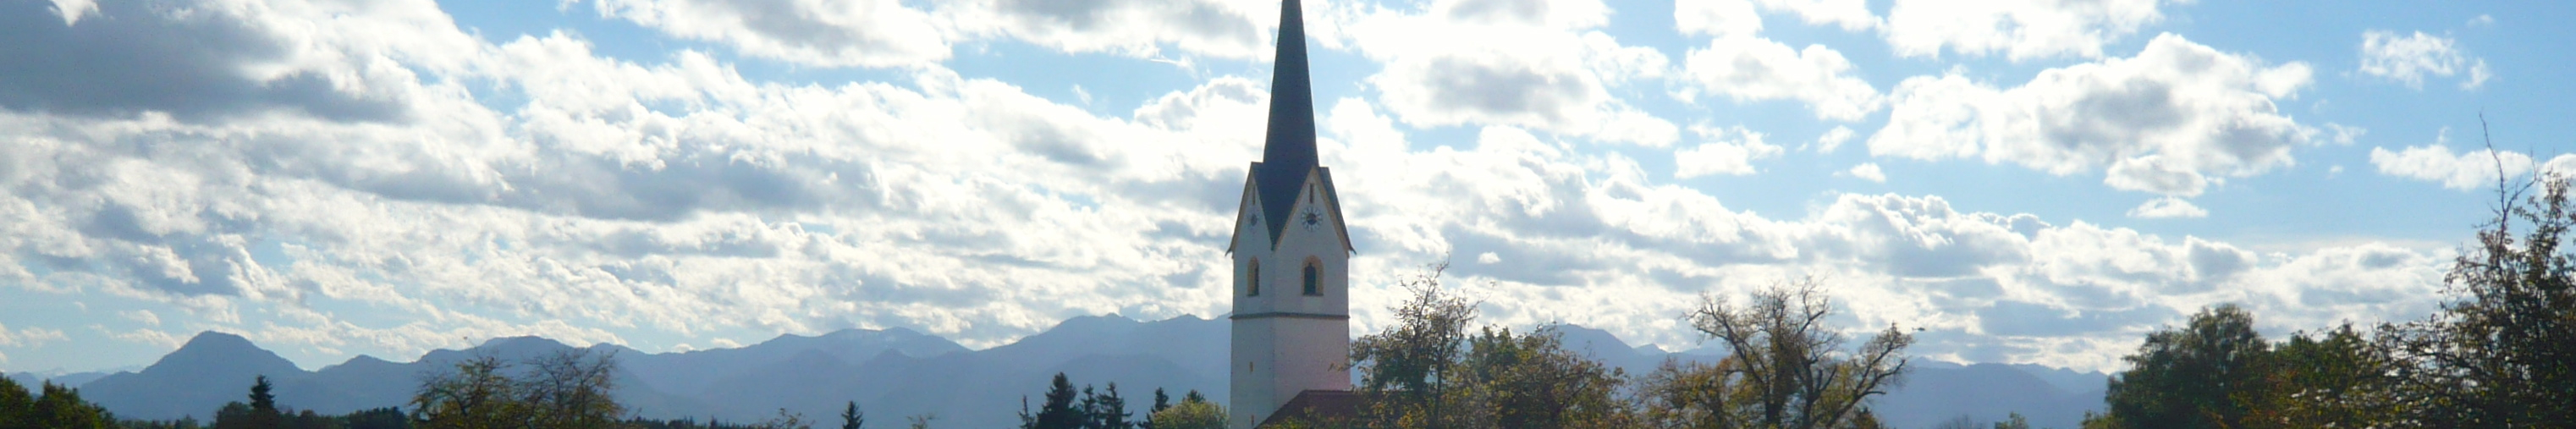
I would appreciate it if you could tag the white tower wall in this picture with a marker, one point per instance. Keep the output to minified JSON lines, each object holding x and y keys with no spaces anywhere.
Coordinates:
{"x":1284,"y":340}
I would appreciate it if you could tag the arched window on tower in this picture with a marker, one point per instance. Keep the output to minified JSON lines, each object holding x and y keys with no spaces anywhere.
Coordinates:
{"x":1314,"y":280}
{"x":1252,"y":278}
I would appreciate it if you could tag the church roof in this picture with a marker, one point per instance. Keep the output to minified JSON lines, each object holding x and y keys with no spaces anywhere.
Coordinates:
{"x":1288,"y":152}
{"x":1317,"y":406}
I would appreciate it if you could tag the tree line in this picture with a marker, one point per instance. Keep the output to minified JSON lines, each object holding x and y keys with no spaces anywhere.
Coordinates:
{"x":2501,"y":352}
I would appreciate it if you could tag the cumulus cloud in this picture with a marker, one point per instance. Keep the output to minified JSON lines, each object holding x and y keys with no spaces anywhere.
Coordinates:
{"x":28,"y":337}
{"x":871,"y":33}
{"x":2410,"y":58}
{"x":1852,"y":15}
{"x":2168,"y":208}
{"x":1722,"y":18}
{"x":1592,"y":231}
{"x":1833,"y":139}
{"x":2463,"y":171}
{"x":1221,"y":29}
{"x":213,"y":61}
{"x":1528,"y":64}
{"x":2172,"y":120}
{"x":1867,"y":171}
{"x":1754,"y":69}
{"x":1719,"y":154}
{"x":676,"y":198}
{"x":2021,"y":29}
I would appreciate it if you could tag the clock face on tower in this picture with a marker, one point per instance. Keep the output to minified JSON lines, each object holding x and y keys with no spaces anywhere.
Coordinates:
{"x":1314,"y":218}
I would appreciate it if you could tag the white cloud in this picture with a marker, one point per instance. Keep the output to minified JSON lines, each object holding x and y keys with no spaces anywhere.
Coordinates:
{"x":1501,"y":66}
{"x":1756,"y":69}
{"x":1215,"y":28}
{"x":1719,"y":154}
{"x":1721,"y":18}
{"x":2344,"y":134}
{"x":2463,"y":171}
{"x":2410,"y":58}
{"x":2168,"y":208}
{"x":1852,"y":15}
{"x":28,"y":337}
{"x":680,"y":199}
{"x":1833,"y":139}
{"x":867,"y":33}
{"x":2020,"y":29}
{"x":1867,"y":171}
{"x":73,"y":10}
{"x":2172,"y":120}
{"x":144,"y":316}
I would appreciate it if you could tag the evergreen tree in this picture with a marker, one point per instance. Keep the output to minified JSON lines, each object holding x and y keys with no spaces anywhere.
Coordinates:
{"x":260,"y":412}
{"x":851,"y":418}
{"x":1161,"y":402}
{"x":376,"y":418}
{"x":1106,"y":411}
{"x":1059,"y":411}
{"x":260,"y":398}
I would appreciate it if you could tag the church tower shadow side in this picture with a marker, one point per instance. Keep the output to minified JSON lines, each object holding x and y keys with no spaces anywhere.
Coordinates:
{"x":1291,"y":256}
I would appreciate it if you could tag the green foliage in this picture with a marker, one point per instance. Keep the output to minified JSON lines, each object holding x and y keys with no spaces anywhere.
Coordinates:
{"x":851,"y":418}
{"x":1105,"y":411}
{"x":2335,"y":379}
{"x":1533,"y":381}
{"x":563,"y":390}
{"x":376,"y":418}
{"x":1784,"y":368}
{"x":2209,"y":373}
{"x":1429,"y":371}
{"x":17,"y":407}
{"x":55,"y":406}
{"x":1190,"y":413}
{"x":1406,"y":370}
{"x":1058,"y":411}
{"x":1091,"y":410}
{"x":2015,"y":421}
{"x":2503,"y":354}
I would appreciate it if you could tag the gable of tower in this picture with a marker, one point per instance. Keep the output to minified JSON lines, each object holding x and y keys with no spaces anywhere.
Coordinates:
{"x":1258,"y":208}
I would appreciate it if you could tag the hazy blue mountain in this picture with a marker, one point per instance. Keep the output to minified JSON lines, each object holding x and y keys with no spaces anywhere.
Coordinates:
{"x":895,"y":373}
{"x":209,"y":370}
{"x":1940,"y":391}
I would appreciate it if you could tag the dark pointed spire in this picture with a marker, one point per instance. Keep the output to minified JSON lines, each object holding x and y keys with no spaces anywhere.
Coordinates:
{"x":1291,"y":144}
{"x":1289,"y":152}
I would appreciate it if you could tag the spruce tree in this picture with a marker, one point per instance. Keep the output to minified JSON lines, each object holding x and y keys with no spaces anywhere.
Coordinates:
{"x":851,"y":418}
{"x":261,"y":400}
{"x":1059,"y":411}
{"x":1107,"y":411}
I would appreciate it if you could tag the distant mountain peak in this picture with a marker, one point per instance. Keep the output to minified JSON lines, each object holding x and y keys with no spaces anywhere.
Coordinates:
{"x":211,"y":349}
{"x":523,"y":341}
{"x":218,"y":340}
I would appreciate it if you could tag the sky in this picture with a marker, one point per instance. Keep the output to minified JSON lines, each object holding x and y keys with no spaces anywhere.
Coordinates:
{"x":2024,"y":181}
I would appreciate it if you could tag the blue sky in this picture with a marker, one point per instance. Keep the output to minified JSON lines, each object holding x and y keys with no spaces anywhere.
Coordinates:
{"x":2030,"y":182}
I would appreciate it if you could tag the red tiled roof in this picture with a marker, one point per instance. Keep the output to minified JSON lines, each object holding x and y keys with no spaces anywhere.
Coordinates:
{"x":1318,"y":406}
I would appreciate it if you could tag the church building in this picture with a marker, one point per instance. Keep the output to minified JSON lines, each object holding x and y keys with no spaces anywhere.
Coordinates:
{"x":1291,"y":261}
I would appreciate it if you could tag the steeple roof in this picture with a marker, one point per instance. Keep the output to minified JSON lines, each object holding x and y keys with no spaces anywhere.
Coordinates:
{"x":1288,"y":154}
{"x":1291,"y":143}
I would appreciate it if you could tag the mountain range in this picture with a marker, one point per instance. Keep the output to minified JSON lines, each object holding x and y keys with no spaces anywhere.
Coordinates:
{"x":893,"y":373}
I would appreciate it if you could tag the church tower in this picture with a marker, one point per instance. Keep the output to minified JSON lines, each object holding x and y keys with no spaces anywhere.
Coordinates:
{"x":1291,"y":256}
